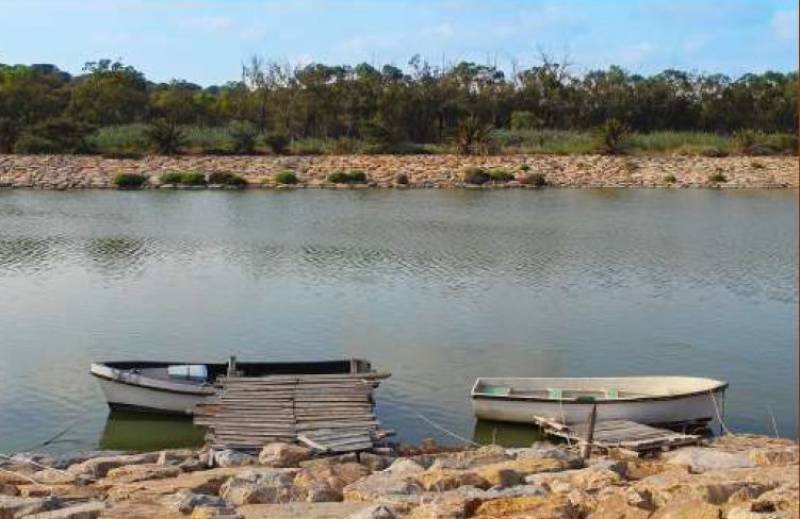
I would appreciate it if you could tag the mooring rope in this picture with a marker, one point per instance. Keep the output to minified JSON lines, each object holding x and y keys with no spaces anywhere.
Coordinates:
{"x":719,"y":416}
{"x":439,"y":427}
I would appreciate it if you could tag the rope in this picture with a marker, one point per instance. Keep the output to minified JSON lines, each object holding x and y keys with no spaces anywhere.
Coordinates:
{"x":564,"y":420}
{"x":719,"y":416}
{"x":439,"y":427}
{"x":774,"y":423}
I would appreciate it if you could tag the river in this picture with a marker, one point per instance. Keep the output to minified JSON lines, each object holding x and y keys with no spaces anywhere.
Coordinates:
{"x":438,"y":287}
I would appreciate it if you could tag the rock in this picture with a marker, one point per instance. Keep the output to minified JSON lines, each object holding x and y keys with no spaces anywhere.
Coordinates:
{"x":768,"y":457}
{"x":617,"y":507}
{"x":548,"y":450}
{"x":395,"y":484}
{"x":516,"y":491}
{"x":185,"y":501}
{"x":201,"y":482}
{"x":260,"y":486}
{"x":326,"y":483}
{"x":12,"y":507}
{"x":99,"y":467}
{"x":7,"y":489}
{"x":191,"y":465}
{"x":231,"y":458}
{"x":688,"y":510}
{"x":373,"y":512}
{"x":54,"y":477}
{"x":280,"y":455}
{"x":303,"y":510}
{"x":700,"y":459}
{"x":472,"y":458}
{"x":174,"y":456}
{"x":538,"y":507}
{"x":90,"y":510}
{"x":133,"y":473}
{"x":446,"y":479}
{"x":214,"y":512}
{"x":375,"y":461}
{"x":513,"y":472}
{"x":404,"y":467}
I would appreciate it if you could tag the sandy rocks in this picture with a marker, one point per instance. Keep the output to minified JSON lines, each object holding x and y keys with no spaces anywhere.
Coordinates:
{"x":133,"y":473}
{"x":90,"y":510}
{"x":99,"y":467}
{"x":281,"y":455}
{"x":12,"y":507}
{"x":230,"y":458}
{"x":700,"y":459}
{"x":261,"y":486}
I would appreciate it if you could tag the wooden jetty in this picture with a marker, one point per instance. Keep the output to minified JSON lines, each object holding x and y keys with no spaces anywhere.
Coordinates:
{"x":624,"y":435}
{"x":330,"y":413}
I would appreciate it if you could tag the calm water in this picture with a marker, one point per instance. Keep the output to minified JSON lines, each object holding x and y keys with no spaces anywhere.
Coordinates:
{"x":436,"y":286}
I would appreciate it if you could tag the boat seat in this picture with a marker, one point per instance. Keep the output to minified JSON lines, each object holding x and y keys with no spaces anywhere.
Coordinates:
{"x":612,"y":393}
{"x":555,"y":393}
{"x":496,"y":390}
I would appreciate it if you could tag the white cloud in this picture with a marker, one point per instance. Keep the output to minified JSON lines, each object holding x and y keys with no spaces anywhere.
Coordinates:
{"x":635,"y":54}
{"x":784,"y":24}
{"x":694,"y":43}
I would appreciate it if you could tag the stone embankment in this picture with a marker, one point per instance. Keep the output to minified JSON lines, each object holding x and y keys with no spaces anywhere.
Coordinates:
{"x":735,"y":477}
{"x":71,"y":171}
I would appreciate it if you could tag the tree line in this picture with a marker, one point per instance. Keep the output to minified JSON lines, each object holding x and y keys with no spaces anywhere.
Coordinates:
{"x":43,"y":106}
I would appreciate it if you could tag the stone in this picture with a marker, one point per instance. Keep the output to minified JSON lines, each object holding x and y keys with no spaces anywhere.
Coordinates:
{"x":375,"y":461}
{"x":214,"y":512}
{"x":192,"y":465}
{"x":448,"y":479}
{"x":538,"y":507}
{"x":231,"y":458}
{"x":373,"y":512}
{"x":174,"y":456}
{"x":548,"y":450}
{"x":326,"y":482}
{"x":90,"y":510}
{"x":185,"y":501}
{"x":688,"y":510}
{"x":617,"y":507}
{"x":12,"y":507}
{"x":7,"y":489}
{"x":404,"y":467}
{"x":768,"y":457}
{"x":269,"y":485}
{"x":281,"y":455}
{"x":700,"y":459}
{"x":472,"y":458}
{"x":390,"y":485}
{"x":98,"y":467}
{"x":54,"y":477}
{"x":514,"y":471}
{"x":303,"y":510}
{"x":133,"y":473}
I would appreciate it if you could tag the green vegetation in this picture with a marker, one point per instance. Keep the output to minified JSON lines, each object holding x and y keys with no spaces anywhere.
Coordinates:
{"x":111,"y":108}
{"x":354,"y":176}
{"x":534,"y":179}
{"x":183,"y":178}
{"x":476,"y":176}
{"x":500,"y":175}
{"x":286,"y":177}
{"x":129,"y":180}
{"x":670,"y":178}
{"x":226,"y":179}
{"x":401,"y":179}
{"x":717,"y":177}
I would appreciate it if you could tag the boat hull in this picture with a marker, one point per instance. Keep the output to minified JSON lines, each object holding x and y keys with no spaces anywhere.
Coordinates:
{"x":680,"y":409}
{"x":131,"y":397}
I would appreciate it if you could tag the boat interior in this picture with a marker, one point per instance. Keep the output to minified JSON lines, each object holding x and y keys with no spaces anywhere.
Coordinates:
{"x":592,"y":389}
{"x":194,"y":374}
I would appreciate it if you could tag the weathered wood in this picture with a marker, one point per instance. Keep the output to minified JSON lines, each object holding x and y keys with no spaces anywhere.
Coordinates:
{"x":587,"y":447}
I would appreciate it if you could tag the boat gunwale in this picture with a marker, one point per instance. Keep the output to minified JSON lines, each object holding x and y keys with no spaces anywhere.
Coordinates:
{"x":720,"y":386}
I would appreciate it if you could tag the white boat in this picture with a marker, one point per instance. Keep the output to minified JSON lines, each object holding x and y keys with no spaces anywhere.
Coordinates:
{"x":655,"y":400}
{"x":177,"y":387}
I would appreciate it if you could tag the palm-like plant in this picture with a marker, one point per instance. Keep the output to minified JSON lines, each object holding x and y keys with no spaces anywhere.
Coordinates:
{"x":166,"y":136}
{"x":473,"y":137}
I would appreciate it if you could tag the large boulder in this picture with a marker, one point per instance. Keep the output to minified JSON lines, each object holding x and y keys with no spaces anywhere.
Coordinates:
{"x":471,"y":458}
{"x":513,"y":472}
{"x":397,"y":484}
{"x":556,"y":507}
{"x":700,"y":459}
{"x":90,"y":510}
{"x":373,"y":512}
{"x":774,"y":456}
{"x":688,"y":510}
{"x":54,"y":477}
{"x":281,"y":455}
{"x":186,"y":501}
{"x":12,"y":507}
{"x":133,"y":473}
{"x":326,"y":482}
{"x":440,"y":480}
{"x":98,"y":467}
{"x":230,"y":458}
{"x":303,"y":510}
{"x":261,"y":486}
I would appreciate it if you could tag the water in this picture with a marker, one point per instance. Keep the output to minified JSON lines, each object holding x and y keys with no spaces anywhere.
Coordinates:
{"x":436,"y":286}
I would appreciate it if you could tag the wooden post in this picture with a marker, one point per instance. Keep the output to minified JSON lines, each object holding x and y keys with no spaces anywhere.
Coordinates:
{"x":232,"y":366}
{"x":586,"y":452}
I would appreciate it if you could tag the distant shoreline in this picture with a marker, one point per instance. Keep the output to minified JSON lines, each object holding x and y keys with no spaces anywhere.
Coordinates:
{"x":62,"y":172}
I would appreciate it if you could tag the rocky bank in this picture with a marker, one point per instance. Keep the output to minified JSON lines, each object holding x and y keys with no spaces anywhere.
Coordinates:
{"x":72,"y":172}
{"x":734,"y":477}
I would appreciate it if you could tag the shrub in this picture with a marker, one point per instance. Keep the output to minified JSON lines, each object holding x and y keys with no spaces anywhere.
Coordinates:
{"x":348,"y":177}
{"x":166,"y":136}
{"x":341,"y":146}
{"x":534,"y":179}
{"x":243,"y":135}
{"x":286,"y":177}
{"x":670,"y":178}
{"x":473,"y":137}
{"x":500,"y":175}
{"x":277,"y":142}
{"x":524,"y":120}
{"x":226,"y":179}
{"x":123,"y":154}
{"x":525,"y":167}
{"x":307,"y":147}
{"x":185,"y":178}
{"x":717,"y":177}
{"x":476,"y":176}
{"x":401,"y":179}
{"x":755,"y":164}
{"x":611,"y":137}
{"x":34,"y":145}
{"x":129,"y":180}
{"x":712,"y":151}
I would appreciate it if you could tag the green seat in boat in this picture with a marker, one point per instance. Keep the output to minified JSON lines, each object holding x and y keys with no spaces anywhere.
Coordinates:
{"x":612,"y":393}
{"x":496,"y":390}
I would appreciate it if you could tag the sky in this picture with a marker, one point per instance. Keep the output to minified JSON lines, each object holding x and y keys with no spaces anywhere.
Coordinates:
{"x":206,"y":42}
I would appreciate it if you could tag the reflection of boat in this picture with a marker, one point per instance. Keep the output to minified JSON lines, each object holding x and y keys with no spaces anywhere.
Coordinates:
{"x":177,"y":387}
{"x":147,"y":432}
{"x":647,"y":400}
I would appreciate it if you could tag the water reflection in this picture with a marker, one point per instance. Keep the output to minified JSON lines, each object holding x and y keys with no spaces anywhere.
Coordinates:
{"x":146,"y":432}
{"x":506,"y":434}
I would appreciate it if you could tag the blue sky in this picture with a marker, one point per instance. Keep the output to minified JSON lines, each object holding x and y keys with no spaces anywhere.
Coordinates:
{"x":206,"y":41}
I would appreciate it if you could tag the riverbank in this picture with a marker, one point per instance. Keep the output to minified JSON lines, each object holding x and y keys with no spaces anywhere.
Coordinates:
{"x":424,"y":171}
{"x":734,"y":477}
